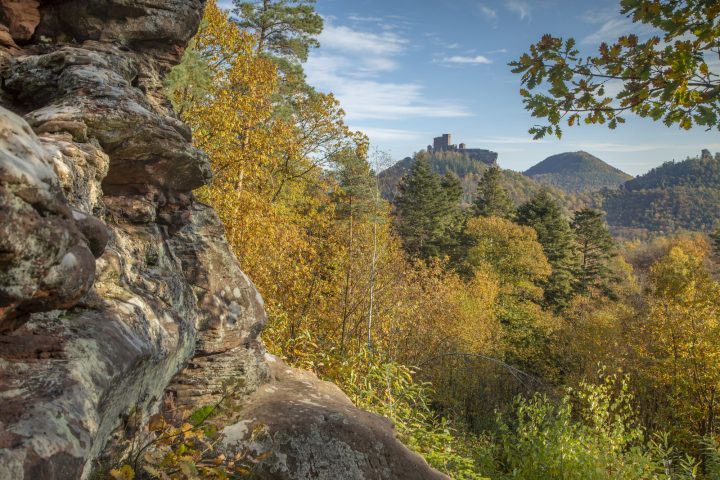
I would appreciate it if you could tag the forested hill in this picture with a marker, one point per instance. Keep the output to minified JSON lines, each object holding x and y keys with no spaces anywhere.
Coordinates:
{"x":469,"y":171}
{"x":702,"y":171}
{"x":577,"y":172}
{"x":675,"y":196}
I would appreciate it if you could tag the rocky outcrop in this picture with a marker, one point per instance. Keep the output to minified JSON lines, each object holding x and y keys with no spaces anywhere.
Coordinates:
{"x":45,"y":260}
{"x":311,"y":430}
{"x":89,"y":347}
{"x":117,"y":288}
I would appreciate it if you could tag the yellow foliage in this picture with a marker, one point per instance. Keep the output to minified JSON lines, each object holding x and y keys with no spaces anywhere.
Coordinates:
{"x":512,"y":251}
{"x":677,"y":340}
{"x":125,"y":472}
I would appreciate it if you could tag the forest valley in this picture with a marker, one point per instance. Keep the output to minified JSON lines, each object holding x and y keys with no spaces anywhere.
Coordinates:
{"x":503,"y":341}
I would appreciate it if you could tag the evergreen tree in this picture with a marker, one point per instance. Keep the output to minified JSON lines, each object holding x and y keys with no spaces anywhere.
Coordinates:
{"x":428,"y":208}
{"x":492,"y":199}
{"x":595,"y":247}
{"x":285,"y":30}
{"x":555,"y":235}
{"x":188,"y":83}
{"x":715,"y":241}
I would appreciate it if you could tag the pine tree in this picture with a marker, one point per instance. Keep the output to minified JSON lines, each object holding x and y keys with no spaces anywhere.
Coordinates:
{"x":715,"y":240}
{"x":595,"y":247}
{"x":285,"y":31}
{"x":555,"y":235}
{"x":492,"y":199}
{"x":189,"y":82}
{"x":428,"y":208}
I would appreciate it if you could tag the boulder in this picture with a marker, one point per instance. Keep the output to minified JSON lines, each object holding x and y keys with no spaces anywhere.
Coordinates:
{"x":309,"y":429}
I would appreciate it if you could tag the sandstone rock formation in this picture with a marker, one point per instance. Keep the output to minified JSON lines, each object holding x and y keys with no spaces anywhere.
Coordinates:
{"x":117,"y":288}
{"x":310,"y":429}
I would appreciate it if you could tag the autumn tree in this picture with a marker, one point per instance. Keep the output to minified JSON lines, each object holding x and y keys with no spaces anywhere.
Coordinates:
{"x":666,"y":77}
{"x":544,"y":215}
{"x":678,"y":346}
{"x":512,"y":252}
{"x":356,"y":202}
{"x":511,"y":256}
{"x":492,"y":199}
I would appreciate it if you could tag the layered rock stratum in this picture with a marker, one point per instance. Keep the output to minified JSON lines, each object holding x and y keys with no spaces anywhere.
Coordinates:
{"x":117,"y":287}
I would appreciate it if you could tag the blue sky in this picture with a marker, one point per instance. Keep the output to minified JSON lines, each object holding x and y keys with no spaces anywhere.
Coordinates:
{"x":406,"y":71}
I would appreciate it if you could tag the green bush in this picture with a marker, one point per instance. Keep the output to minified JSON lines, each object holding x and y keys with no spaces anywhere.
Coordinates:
{"x":591,"y":434}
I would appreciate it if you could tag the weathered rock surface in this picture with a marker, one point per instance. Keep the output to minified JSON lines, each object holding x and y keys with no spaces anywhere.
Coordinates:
{"x":45,"y":261}
{"x":118,"y":288}
{"x":311,"y":430}
{"x":88,"y":348}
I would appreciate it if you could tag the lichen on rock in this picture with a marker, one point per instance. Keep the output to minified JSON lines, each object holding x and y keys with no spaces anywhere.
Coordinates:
{"x":117,"y":287}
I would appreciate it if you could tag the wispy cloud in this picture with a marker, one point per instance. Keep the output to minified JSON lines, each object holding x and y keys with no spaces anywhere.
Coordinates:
{"x":610,"y":30}
{"x":350,"y":40}
{"x":465,"y":60}
{"x":391,"y":134}
{"x":501,"y":140}
{"x":487,"y":12}
{"x":520,"y":7}
{"x":360,"y":18}
{"x":612,"y":26}
{"x":640,"y":147}
{"x":352,"y":62}
{"x":369,"y":99}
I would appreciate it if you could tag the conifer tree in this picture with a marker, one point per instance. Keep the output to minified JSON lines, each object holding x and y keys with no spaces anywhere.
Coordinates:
{"x":492,"y":199}
{"x":595,"y":247}
{"x":715,"y":240}
{"x":554,"y":234}
{"x":428,"y":208}
{"x":285,"y":31}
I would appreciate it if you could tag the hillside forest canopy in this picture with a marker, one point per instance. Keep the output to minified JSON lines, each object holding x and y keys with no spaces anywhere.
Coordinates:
{"x":494,"y":320}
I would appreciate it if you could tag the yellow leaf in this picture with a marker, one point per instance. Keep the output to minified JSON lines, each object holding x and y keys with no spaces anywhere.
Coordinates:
{"x":125,"y":472}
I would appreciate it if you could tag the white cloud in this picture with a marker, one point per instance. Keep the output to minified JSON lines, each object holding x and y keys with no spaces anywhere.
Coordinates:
{"x":633,"y":148}
{"x":500,"y":140}
{"x":520,"y":7}
{"x":390,"y":134}
{"x":610,"y":30}
{"x":346,"y":39}
{"x":613,"y":26}
{"x":352,"y":63}
{"x":466,"y":60}
{"x":370,"y":99}
{"x":599,"y":15}
{"x":358,"y":18}
{"x":488,"y":12}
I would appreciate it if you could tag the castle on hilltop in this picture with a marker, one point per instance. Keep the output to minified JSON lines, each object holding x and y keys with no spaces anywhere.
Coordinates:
{"x":444,"y":144}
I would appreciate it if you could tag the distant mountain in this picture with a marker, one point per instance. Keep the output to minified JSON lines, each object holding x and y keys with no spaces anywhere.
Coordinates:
{"x":519,"y":187}
{"x":575,"y":172}
{"x":675,"y":196}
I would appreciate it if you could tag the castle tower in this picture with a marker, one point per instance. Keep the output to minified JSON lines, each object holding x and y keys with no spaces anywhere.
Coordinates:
{"x":443,"y":143}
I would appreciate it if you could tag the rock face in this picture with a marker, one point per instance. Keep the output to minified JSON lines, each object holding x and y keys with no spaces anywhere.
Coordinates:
{"x":310,"y":429}
{"x":117,"y":288}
